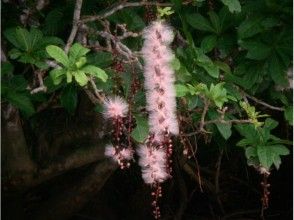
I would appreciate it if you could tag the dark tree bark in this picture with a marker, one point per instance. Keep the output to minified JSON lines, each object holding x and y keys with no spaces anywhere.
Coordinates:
{"x":62,"y":206}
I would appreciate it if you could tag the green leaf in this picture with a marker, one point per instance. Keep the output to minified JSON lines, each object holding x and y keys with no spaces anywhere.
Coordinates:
{"x":249,"y":132}
{"x":256,"y":50}
{"x":288,"y":114}
{"x":244,"y":142}
{"x":23,"y":38}
{"x":223,"y":66}
{"x":10,"y":35}
{"x":77,"y":51}
{"x":81,"y":62}
{"x":218,"y":94}
{"x":215,"y":21}
{"x":50,"y":40}
{"x":81,"y":77}
{"x":100,"y":58}
{"x":69,"y":76}
{"x":57,"y":75}
{"x":198,"y":22}
{"x":277,"y":70}
{"x":279,"y":149}
{"x":268,"y":154}
{"x":181,"y":90}
{"x":14,"y":53}
{"x":224,"y":129}
{"x":250,"y":152}
{"x":277,"y":161}
{"x":183,"y":75}
{"x":58,"y":54}
{"x":22,"y":102}
{"x":35,"y":38}
{"x":233,"y":5}
{"x":141,"y":131}
{"x":250,"y":27}
{"x":6,"y":68}
{"x":206,"y":63}
{"x":69,"y":98}
{"x":270,"y":124}
{"x":96,"y":71}
{"x":18,"y":83}
{"x":175,"y":63}
{"x":208,"y":43}
{"x":264,"y":156}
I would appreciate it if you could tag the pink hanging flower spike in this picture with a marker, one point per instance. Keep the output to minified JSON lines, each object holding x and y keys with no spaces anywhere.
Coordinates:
{"x":116,"y":109}
{"x":155,"y":155}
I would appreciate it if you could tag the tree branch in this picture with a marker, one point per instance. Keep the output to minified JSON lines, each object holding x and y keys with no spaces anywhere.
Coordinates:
{"x":74,"y":160}
{"x":75,"y":197}
{"x":75,"y":25}
{"x":263,"y":103}
{"x":117,"y":7}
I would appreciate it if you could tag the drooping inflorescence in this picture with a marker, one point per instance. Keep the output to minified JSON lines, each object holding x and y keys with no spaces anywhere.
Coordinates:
{"x":116,"y":110}
{"x":155,"y":155}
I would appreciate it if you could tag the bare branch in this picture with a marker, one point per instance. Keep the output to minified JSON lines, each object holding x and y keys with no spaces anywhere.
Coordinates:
{"x":96,"y":91}
{"x":74,"y":160}
{"x":119,"y":46}
{"x":205,"y":109}
{"x":75,"y":26}
{"x":120,"y":6}
{"x":42,"y":87}
{"x":263,"y":103}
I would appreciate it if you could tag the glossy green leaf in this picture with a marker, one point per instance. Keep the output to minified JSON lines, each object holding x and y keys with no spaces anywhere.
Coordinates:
{"x":57,"y":75}
{"x":96,"y":71}
{"x":224,"y":129}
{"x":256,"y":50}
{"x":81,"y":77}
{"x":199,"y":22}
{"x":141,"y":131}
{"x":181,"y":90}
{"x":58,"y":54}
{"x":233,"y":5}
{"x":23,"y":38}
{"x":208,"y":43}
{"x":250,"y":27}
{"x":251,"y":152}
{"x":77,"y":51}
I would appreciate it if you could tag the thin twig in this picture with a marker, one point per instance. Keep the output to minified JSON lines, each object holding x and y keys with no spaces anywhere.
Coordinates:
{"x":75,"y":25}
{"x":263,"y":103}
{"x":221,"y":121}
{"x":96,"y":91}
{"x":41,"y":87}
{"x":120,"y":6}
{"x":205,"y":109}
{"x":216,"y":180}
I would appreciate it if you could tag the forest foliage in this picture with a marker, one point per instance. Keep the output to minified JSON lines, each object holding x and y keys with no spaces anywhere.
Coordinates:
{"x":233,"y":64}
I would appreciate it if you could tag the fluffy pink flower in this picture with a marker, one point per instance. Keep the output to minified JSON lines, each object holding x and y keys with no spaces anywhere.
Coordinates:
{"x":110,"y":152}
{"x":118,"y":155}
{"x":115,"y":107}
{"x":127,"y":154}
{"x":159,"y":79}
{"x":153,"y":164}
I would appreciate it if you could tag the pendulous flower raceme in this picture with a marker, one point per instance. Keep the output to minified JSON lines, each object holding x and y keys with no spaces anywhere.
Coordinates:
{"x":155,"y":155}
{"x":159,"y":79}
{"x":116,"y":110}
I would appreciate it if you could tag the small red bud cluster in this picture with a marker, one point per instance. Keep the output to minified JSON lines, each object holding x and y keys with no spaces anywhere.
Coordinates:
{"x":149,"y":14}
{"x":156,"y":194}
{"x":117,"y":66}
